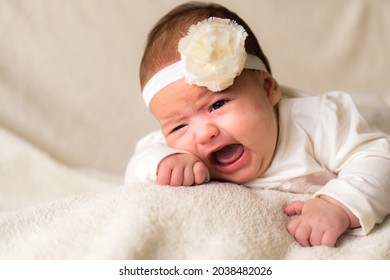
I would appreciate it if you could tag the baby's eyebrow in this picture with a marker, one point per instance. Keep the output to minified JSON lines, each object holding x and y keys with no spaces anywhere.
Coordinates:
{"x":170,"y":120}
{"x":176,"y":114}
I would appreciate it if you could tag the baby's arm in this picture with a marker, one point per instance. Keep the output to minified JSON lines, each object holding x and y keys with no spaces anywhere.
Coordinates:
{"x":360,"y":156}
{"x":181,"y":170}
{"x":320,"y":221}
{"x":148,"y":154}
{"x":154,"y":162}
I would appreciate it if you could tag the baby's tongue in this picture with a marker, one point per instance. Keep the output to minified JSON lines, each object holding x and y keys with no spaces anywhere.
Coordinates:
{"x":228,"y":154}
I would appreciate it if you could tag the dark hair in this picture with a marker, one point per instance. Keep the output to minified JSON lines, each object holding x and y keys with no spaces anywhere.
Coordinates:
{"x":161,"y":48}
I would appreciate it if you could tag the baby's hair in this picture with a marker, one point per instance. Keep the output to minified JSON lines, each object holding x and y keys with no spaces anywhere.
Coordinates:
{"x":161,"y":48}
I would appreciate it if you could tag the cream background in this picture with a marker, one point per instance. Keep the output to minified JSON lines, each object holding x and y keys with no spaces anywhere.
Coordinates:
{"x":69,"y":69}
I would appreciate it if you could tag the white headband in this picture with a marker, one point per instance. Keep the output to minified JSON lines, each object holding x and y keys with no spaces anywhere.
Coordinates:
{"x":175,"y":72}
{"x":212,"y":55}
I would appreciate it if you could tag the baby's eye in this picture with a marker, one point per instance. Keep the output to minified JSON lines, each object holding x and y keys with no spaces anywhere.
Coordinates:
{"x":218,"y":104}
{"x":177,"y":128}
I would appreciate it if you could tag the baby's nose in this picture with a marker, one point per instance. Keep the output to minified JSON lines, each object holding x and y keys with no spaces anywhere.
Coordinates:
{"x":205,"y":132}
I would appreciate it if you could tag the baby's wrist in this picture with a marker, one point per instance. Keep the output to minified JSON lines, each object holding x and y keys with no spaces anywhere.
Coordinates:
{"x":353,"y":220}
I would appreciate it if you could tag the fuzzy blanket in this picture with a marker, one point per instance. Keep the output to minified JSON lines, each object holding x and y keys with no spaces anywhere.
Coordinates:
{"x":50,"y":211}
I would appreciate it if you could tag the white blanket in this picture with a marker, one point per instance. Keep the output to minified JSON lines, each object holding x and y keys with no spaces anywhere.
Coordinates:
{"x":51,"y":211}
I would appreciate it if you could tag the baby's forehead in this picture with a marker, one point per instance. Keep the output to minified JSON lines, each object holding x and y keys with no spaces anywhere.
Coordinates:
{"x":180,"y":97}
{"x":182,"y":94}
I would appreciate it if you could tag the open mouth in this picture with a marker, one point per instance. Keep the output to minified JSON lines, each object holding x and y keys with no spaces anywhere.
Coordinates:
{"x":228,"y":154}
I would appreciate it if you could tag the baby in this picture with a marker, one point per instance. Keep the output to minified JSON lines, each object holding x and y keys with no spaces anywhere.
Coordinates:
{"x":206,"y":80}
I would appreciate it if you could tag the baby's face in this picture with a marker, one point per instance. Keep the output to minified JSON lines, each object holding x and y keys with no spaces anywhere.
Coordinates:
{"x":234,"y":132}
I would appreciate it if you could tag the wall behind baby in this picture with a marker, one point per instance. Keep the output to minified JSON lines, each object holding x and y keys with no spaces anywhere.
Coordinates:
{"x":69,"y":69}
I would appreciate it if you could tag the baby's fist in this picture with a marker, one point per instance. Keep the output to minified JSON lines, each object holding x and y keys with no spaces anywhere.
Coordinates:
{"x":181,"y":170}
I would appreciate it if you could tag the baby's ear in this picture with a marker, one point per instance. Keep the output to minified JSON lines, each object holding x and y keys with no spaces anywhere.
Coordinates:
{"x":271,"y":87}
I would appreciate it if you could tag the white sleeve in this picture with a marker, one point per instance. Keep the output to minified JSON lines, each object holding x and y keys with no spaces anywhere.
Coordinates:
{"x":360,"y":155}
{"x":149,"y":151}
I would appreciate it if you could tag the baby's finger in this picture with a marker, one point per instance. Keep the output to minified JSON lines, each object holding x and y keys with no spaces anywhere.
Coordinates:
{"x":177,"y":177}
{"x":302,"y":234}
{"x":200,"y":172}
{"x":189,"y":177}
{"x":294,"y":208}
{"x":329,"y":239}
{"x":292,"y":225}
{"x":316,"y":237}
{"x":164,"y":175}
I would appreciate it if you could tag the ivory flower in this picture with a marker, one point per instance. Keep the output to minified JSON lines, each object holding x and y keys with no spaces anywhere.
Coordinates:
{"x":214,"y":53}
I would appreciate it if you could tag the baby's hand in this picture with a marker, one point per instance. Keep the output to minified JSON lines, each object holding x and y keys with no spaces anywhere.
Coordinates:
{"x":321,"y":221}
{"x":181,"y":170}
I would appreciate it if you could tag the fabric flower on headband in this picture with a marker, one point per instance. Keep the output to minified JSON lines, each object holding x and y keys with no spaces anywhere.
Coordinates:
{"x":212,"y":55}
{"x":213,"y":52}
